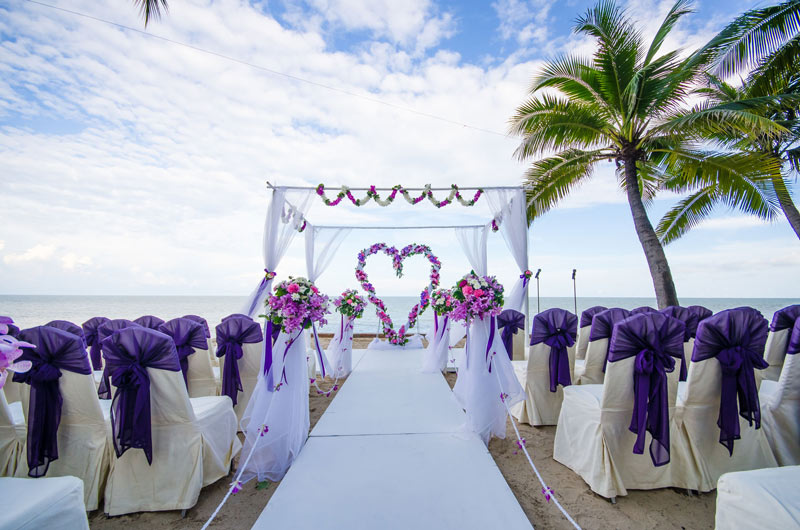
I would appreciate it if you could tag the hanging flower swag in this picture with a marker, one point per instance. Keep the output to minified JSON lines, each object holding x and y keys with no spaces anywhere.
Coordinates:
{"x":372,"y":194}
{"x":399,"y":337}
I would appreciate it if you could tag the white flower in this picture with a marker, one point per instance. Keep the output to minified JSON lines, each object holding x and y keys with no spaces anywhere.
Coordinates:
{"x":295,"y":297}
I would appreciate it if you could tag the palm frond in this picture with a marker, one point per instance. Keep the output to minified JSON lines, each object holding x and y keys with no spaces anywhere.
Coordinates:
{"x":741,"y":117}
{"x":681,"y":8}
{"x":151,"y":9}
{"x":688,"y":213}
{"x":776,"y":72}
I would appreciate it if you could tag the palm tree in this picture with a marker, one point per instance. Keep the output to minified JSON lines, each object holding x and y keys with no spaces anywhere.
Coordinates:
{"x":767,"y":42}
{"x":627,"y":104}
{"x":151,"y":9}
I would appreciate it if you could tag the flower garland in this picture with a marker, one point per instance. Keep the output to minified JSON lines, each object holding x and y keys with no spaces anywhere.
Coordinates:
{"x":400,"y":336}
{"x":372,"y":194}
{"x":296,"y":304}
{"x":477,"y":297}
{"x":350,"y":304}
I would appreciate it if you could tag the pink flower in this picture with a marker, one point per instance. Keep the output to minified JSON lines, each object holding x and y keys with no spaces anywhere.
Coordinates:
{"x":293,"y":288}
{"x":462,"y":283}
{"x":467,"y":290}
{"x":478,"y":292}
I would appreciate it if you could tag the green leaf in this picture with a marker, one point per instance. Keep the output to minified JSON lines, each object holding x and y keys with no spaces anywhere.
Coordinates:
{"x":264,"y":484}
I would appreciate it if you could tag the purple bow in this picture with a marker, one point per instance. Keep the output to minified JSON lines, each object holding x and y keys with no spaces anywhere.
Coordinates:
{"x":90,"y":332}
{"x":187,"y":335}
{"x":556,"y":328}
{"x":736,"y":337}
{"x":149,"y":321}
{"x":105,"y":330}
{"x":69,"y":327}
{"x":129,"y":352}
{"x":510,"y":321}
{"x":690,"y":320}
{"x":785,"y":318}
{"x":656,"y":340}
{"x":588,"y":315}
{"x":55,"y":350}
{"x":202,"y":321}
{"x":231,"y":335}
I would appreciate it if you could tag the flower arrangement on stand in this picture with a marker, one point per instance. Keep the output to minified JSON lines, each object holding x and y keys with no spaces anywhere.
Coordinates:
{"x":350,"y":304}
{"x":477,"y":297}
{"x":10,"y":351}
{"x":443,"y":302}
{"x":296,"y":304}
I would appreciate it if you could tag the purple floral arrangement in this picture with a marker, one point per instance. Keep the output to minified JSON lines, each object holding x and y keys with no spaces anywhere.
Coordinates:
{"x":398,"y":337}
{"x":296,"y":304}
{"x":443,"y":302}
{"x":477,"y":297}
{"x":10,"y":350}
{"x":350,"y":304}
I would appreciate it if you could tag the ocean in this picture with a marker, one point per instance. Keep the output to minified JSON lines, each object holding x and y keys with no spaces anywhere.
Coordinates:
{"x":28,"y":311}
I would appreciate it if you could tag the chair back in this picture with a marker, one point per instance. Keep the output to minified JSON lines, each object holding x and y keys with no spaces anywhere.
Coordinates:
{"x":202,"y":321}
{"x":232,"y":335}
{"x":599,"y":336}
{"x":780,"y":331}
{"x":584,"y":327}
{"x":556,"y":329}
{"x":702,"y":314}
{"x":69,"y":327}
{"x":643,"y":309}
{"x":789,"y":381}
{"x":91,"y":333}
{"x":188,"y":336}
{"x":149,"y":321}
{"x":509,"y":323}
{"x":690,"y":319}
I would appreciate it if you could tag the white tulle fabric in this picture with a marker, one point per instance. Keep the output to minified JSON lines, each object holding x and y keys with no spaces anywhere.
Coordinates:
{"x":509,"y":206}
{"x":414,"y":342}
{"x":478,"y":390}
{"x":435,"y":358}
{"x":321,"y":245}
{"x":283,"y":410}
{"x":473,"y":243}
{"x":340,"y":350}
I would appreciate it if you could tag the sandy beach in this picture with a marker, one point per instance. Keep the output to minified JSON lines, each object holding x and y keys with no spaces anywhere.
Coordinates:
{"x":658,"y":509}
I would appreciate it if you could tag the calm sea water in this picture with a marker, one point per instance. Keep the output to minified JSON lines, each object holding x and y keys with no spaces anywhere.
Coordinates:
{"x":30,"y":311}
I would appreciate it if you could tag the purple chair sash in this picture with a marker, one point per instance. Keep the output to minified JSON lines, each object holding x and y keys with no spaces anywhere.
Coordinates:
{"x":69,"y":327}
{"x":643,"y":309}
{"x":202,"y":321}
{"x":129,"y":352}
{"x":237,"y":315}
{"x":794,"y":339}
{"x":702,"y":314}
{"x":603,"y":325}
{"x":13,"y":330}
{"x":55,"y":350}
{"x":656,"y":340}
{"x":736,"y":337}
{"x":690,"y":320}
{"x":510,"y":321}
{"x":103,"y":332}
{"x":231,"y":335}
{"x":556,"y":328}
{"x":149,"y":322}
{"x":187,"y":335}
{"x":92,"y":339}
{"x":785,"y":318}
{"x":588,"y":315}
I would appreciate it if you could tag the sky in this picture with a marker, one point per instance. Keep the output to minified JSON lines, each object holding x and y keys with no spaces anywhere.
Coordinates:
{"x":130,"y":164}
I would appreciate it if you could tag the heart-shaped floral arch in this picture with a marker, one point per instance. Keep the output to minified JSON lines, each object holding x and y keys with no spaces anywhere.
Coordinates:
{"x":398,"y":337}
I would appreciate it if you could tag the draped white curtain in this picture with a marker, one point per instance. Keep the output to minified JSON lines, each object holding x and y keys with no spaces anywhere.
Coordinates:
{"x":508,"y":204}
{"x":473,"y":243}
{"x":321,"y":245}
{"x":283,"y":221}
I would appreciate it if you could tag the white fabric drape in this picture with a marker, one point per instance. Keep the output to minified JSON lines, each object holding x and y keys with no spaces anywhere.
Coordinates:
{"x":340,"y":350}
{"x":473,"y":243}
{"x":321,"y":245}
{"x":281,"y":225}
{"x":436,"y":354}
{"x":509,"y":206}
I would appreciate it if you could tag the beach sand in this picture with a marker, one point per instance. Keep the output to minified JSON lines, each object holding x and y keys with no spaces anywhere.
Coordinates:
{"x":658,"y":509}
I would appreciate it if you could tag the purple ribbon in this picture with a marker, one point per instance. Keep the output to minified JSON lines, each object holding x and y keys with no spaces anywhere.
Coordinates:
{"x":603,"y":325}
{"x":510,"y":321}
{"x":202,"y":321}
{"x":588,"y":315}
{"x":319,"y":350}
{"x":785,"y":318}
{"x":55,"y":350}
{"x":263,"y":286}
{"x":492,"y":328}
{"x":149,"y":321}
{"x":794,"y":339}
{"x":92,"y":337}
{"x":105,"y":330}
{"x":69,"y":327}
{"x":231,"y":335}
{"x":702,"y":314}
{"x":556,"y":328}
{"x":129,"y":352}
{"x":690,"y":320}
{"x":656,"y":340}
{"x":187,"y":335}
{"x":736,"y":337}
{"x":644,"y":309}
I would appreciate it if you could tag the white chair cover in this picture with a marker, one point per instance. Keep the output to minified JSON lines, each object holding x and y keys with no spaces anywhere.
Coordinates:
{"x":435,"y":359}
{"x":774,"y":353}
{"x":340,"y":350}
{"x":582,"y":342}
{"x":698,"y":459}
{"x":200,"y":376}
{"x":780,"y":412}
{"x":13,"y":433}
{"x":763,"y":498}
{"x":194,"y":443}
{"x":34,"y":504}
{"x":540,"y":407}
{"x":12,"y":390}
{"x":590,"y":372}
{"x":284,"y":411}
{"x":249,"y":369}
{"x":478,"y":390}
{"x":84,"y":446}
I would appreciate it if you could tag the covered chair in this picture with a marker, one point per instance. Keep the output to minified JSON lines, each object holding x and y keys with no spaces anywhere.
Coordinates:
{"x":593,"y":370}
{"x":13,"y":433}
{"x":149,"y":321}
{"x":584,"y":327}
{"x":718,"y":408}
{"x":190,"y":336}
{"x":69,"y":327}
{"x":780,"y":331}
{"x":761,"y":498}
{"x":551,"y":360}
{"x":91,"y":334}
{"x":780,"y":406}
{"x":66,"y":432}
{"x":643,"y":309}
{"x":104,"y":331}
{"x":602,"y":429}
{"x":240,"y":344}
{"x":702,"y":314}
{"x":690,"y":319}
{"x":166,"y":446}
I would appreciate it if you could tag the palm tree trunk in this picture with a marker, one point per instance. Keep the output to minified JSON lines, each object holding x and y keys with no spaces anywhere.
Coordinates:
{"x":788,"y":207}
{"x":653,"y":251}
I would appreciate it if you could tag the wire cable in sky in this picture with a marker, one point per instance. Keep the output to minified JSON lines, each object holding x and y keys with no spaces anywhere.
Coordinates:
{"x":271,"y":71}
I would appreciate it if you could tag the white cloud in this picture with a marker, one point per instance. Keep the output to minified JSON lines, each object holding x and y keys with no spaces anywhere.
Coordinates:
{"x":38,"y":252}
{"x":71,"y":261}
{"x":732,"y":223}
{"x":524,"y":21}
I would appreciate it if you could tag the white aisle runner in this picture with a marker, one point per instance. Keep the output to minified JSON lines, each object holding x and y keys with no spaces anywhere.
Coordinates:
{"x":389,"y":453}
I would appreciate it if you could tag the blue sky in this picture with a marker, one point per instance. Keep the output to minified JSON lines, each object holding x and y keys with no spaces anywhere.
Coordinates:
{"x":130,"y":165}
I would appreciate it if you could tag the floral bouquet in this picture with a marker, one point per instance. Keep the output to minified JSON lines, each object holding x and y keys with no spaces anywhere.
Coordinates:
{"x":10,"y":352}
{"x":443,"y":302}
{"x":350,"y":304}
{"x":296,"y":304}
{"x":477,"y":297}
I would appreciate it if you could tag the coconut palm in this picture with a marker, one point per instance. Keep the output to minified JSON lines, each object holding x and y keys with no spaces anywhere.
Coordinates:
{"x":627,"y":104}
{"x":765,"y":41}
{"x":151,"y":9}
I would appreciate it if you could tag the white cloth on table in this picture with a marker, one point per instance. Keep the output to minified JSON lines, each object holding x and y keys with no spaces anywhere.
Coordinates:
{"x":762,"y":498}
{"x":593,"y":437}
{"x":698,"y":459}
{"x":540,"y":407}
{"x":438,"y":350}
{"x":774,"y":353}
{"x":200,"y":376}
{"x":13,"y":433}
{"x":194,"y":441}
{"x":478,"y":390}
{"x":32,"y":504}
{"x":591,"y":371}
{"x":780,"y":412}
{"x":282,"y":407}
{"x":84,"y":447}
{"x":340,"y":350}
